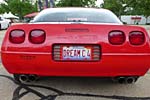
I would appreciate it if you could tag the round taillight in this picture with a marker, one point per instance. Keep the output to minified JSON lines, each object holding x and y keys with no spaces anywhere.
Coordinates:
{"x":116,"y":37}
{"x":37,"y":36}
{"x":136,"y":38}
{"x":17,"y":36}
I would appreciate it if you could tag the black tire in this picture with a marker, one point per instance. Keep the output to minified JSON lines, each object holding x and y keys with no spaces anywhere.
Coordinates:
{"x":16,"y":78}
{"x":136,"y":78}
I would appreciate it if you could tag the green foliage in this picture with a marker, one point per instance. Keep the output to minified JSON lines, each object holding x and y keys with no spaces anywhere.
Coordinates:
{"x":144,"y":6}
{"x":119,"y":7}
{"x":76,"y":3}
{"x":128,"y":7}
{"x":18,"y":7}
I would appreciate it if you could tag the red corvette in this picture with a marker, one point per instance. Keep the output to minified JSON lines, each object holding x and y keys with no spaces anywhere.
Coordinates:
{"x":76,"y":42}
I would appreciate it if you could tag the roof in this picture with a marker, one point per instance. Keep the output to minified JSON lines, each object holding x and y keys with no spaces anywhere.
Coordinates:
{"x":10,"y":16}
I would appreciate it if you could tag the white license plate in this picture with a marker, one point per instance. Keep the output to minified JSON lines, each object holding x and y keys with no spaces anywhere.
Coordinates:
{"x":76,"y":53}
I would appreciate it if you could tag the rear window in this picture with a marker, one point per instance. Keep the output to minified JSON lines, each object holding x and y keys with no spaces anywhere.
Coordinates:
{"x":77,"y":15}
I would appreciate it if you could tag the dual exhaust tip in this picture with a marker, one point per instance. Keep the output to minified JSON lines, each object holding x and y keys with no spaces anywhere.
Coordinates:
{"x":127,"y":80}
{"x":121,"y":80}
{"x":28,"y":78}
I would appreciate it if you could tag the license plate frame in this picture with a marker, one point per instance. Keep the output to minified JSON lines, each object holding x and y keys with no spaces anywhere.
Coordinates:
{"x":57,"y":52}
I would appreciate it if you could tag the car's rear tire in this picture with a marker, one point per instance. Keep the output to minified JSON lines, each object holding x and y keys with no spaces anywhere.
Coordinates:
{"x":136,"y":78}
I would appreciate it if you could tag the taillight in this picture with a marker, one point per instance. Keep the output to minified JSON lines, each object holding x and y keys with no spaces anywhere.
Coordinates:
{"x":37,"y":36}
{"x":17,"y":36}
{"x":116,"y":37}
{"x":136,"y":38}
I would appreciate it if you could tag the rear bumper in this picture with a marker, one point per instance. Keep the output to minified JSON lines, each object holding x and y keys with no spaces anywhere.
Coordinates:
{"x":110,"y":65}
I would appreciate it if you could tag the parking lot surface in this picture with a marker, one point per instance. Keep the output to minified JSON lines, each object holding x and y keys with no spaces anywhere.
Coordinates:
{"x":71,"y":88}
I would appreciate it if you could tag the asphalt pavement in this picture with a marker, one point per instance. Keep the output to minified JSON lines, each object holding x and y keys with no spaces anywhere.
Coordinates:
{"x":68,"y":88}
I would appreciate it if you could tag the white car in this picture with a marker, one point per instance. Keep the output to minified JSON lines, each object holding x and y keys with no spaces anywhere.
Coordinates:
{"x":4,"y":23}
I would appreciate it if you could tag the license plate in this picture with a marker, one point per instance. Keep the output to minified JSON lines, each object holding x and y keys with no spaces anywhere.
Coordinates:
{"x":76,"y":53}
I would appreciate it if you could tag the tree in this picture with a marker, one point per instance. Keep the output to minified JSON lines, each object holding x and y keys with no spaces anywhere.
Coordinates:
{"x":119,"y":7}
{"x":144,"y":8}
{"x":128,"y":7}
{"x":76,"y":3}
{"x":18,"y":7}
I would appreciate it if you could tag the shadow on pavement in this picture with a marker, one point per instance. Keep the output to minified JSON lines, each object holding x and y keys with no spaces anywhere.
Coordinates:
{"x":17,"y":95}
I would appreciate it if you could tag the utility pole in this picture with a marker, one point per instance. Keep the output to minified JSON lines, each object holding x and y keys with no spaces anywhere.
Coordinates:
{"x":52,"y":4}
{"x":40,"y":5}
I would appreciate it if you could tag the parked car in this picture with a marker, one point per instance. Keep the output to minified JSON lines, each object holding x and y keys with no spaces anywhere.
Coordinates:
{"x":4,"y":23}
{"x":85,"y":42}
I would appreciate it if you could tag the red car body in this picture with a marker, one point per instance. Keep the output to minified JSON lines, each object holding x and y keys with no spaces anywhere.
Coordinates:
{"x":111,"y":60}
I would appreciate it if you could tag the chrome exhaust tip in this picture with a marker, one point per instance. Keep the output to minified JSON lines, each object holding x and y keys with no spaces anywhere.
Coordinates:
{"x":121,"y":80}
{"x":32,"y":78}
{"x":130,"y":80}
{"x":23,"y":78}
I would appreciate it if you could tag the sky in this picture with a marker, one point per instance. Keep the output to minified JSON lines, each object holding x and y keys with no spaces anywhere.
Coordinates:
{"x":1,"y":1}
{"x":99,"y":2}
